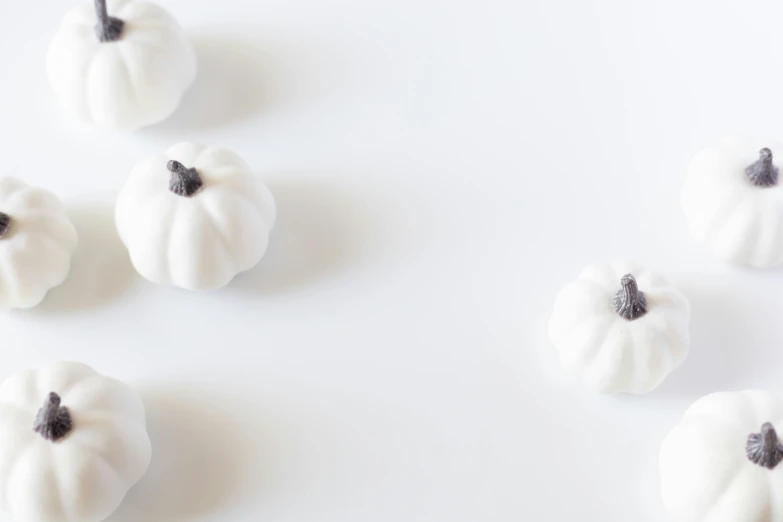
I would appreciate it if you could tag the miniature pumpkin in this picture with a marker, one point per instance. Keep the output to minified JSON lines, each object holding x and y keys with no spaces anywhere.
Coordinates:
{"x":37,"y":241}
{"x":123,"y":65}
{"x":72,"y":443}
{"x":621,"y":327}
{"x":733,"y":200}
{"x":194,"y":217}
{"x":722,"y":462}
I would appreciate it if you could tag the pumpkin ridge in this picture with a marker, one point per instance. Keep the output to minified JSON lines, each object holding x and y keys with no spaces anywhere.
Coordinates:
{"x":170,"y":213}
{"x":764,"y":247}
{"x":100,"y":454}
{"x":722,"y":215}
{"x":243,"y":200}
{"x":123,"y":58}
{"x":220,"y":235}
{"x":630,"y":360}
{"x":68,"y":388}
{"x":8,"y":282}
{"x":174,"y":224}
{"x":27,"y":387}
{"x":612,"y":367}
{"x":89,"y":95}
{"x":724,"y":490}
{"x":658,"y":361}
{"x":145,"y":11}
{"x":587,"y":356}
{"x":16,"y":198}
{"x":246,"y":196}
{"x":750,"y":240}
{"x":28,"y":447}
{"x":60,"y":494}
{"x":733,"y":471}
{"x":46,"y":240}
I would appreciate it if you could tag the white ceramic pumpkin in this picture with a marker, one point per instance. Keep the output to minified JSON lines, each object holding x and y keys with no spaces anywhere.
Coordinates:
{"x":72,"y":443}
{"x":123,"y":65}
{"x":722,"y":462}
{"x":194,"y":217}
{"x":733,"y":200}
{"x":37,"y":241}
{"x":621,"y":327}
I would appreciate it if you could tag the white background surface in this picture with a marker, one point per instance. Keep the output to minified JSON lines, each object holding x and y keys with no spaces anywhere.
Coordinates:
{"x":441,"y":169}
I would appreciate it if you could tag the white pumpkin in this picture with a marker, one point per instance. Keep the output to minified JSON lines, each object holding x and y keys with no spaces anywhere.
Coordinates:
{"x":37,"y":241}
{"x":123,"y":66}
{"x":621,"y":327}
{"x":72,"y":443}
{"x":194,"y":217}
{"x":722,"y":462}
{"x":733,"y":200}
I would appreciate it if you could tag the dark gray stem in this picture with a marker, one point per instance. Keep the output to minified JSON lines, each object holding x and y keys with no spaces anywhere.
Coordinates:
{"x":5,"y":224}
{"x":764,"y":449}
{"x":629,"y":302}
{"x":53,"y":422}
{"x":763,"y":173}
{"x":183,"y":181}
{"x":109,"y":29}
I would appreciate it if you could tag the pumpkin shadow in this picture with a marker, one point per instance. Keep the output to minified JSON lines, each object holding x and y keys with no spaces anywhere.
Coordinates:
{"x":725,"y":344}
{"x":198,"y":459}
{"x":319,"y":232}
{"x":236,"y":78}
{"x":100,"y":268}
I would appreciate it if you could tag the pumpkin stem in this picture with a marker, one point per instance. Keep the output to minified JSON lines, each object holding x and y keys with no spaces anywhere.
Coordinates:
{"x":109,"y":29}
{"x":765,"y":449}
{"x":763,"y":173}
{"x":53,"y":422}
{"x":629,"y":302}
{"x":5,"y":224}
{"x":183,"y":181}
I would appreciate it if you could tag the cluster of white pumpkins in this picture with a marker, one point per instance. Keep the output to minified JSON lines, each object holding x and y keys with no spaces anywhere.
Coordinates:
{"x":73,"y":442}
{"x":624,"y":329}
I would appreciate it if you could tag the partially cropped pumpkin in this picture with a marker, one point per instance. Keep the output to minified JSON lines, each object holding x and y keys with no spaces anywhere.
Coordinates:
{"x":120,"y":64}
{"x":72,"y":443}
{"x":37,"y":241}
{"x":733,"y":199}
{"x":621,"y":327}
{"x":194,"y":217}
{"x":722,"y":463}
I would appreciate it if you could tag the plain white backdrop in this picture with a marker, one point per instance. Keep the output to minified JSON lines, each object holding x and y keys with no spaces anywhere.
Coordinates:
{"x":442,"y":168}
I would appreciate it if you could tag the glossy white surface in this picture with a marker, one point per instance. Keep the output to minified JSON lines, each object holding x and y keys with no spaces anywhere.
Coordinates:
{"x":441,"y":170}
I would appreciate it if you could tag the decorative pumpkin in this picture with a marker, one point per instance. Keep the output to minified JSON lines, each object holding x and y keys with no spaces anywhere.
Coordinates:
{"x":733,"y":200}
{"x":621,"y":327}
{"x":123,"y":66}
{"x":722,"y":462}
{"x":37,"y":241}
{"x":72,"y":443}
{"x":194,"y":217}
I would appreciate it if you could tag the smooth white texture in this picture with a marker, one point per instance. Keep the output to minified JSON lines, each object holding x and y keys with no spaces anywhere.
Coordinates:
{"x":441,"y":170}
{"x":199,"y":242}
{"x":705,"y":475}
{"x":132,"y":82}
{"x":36,"y":251}
{"x":84,"y":476}
{"x":739,"y":222}
{"x":613,"y":354}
